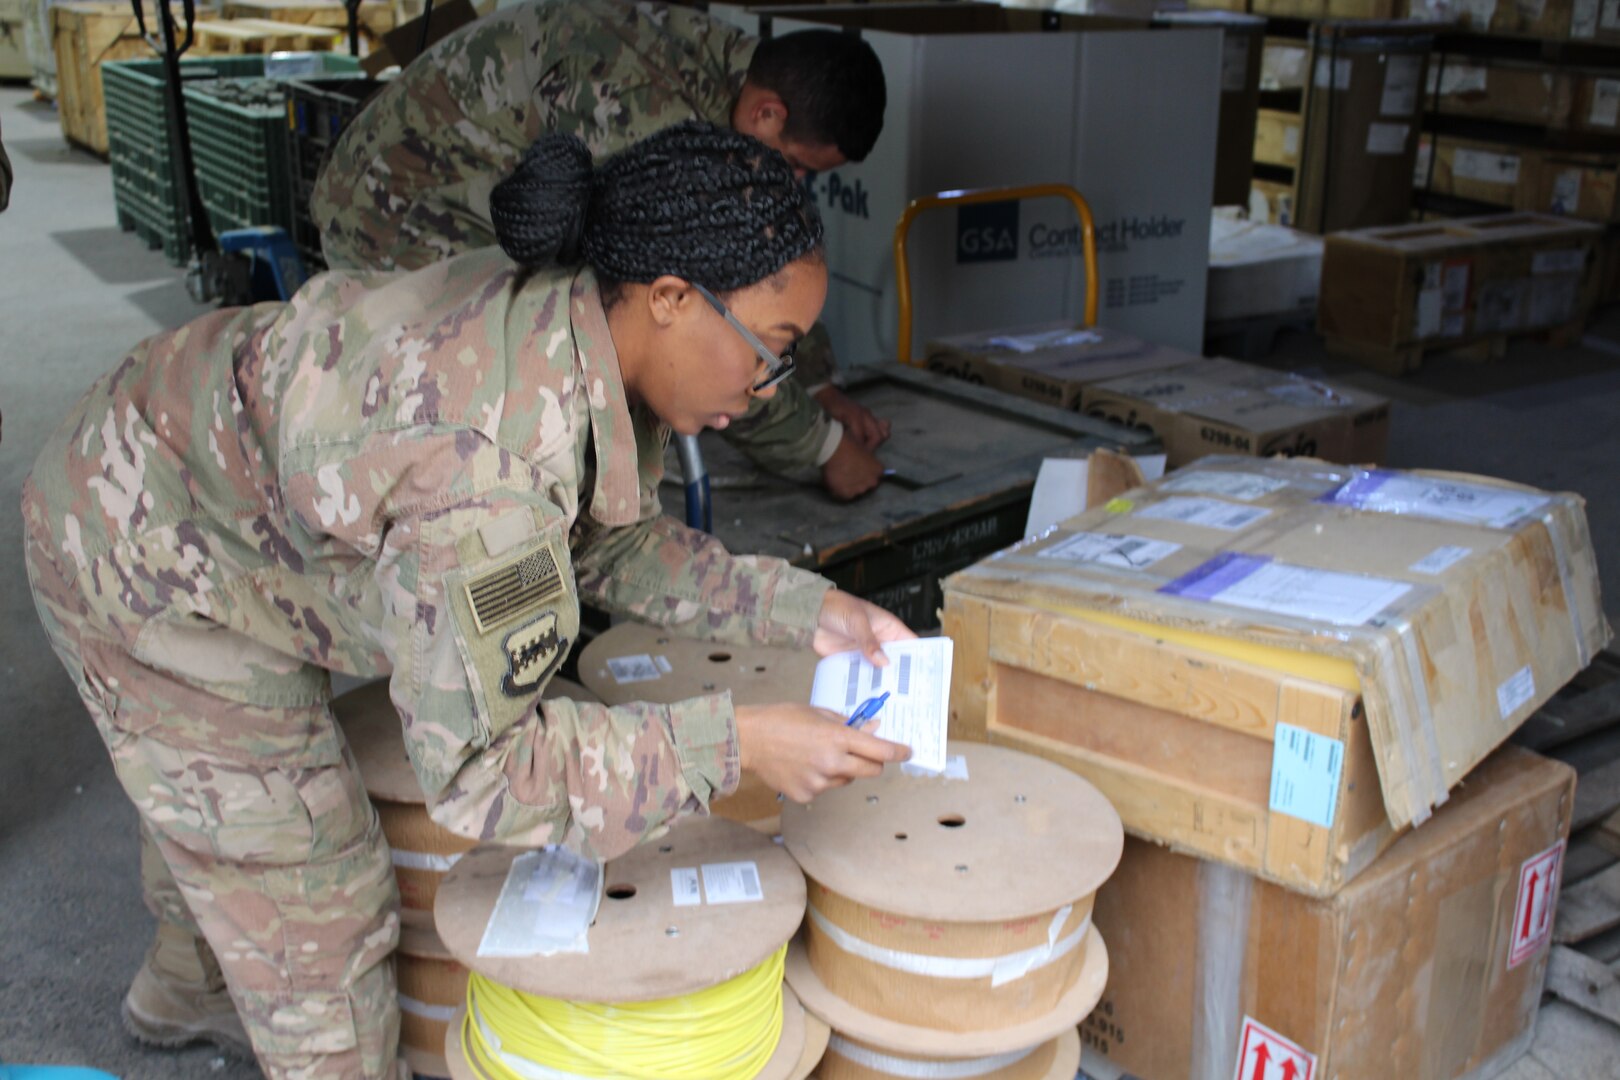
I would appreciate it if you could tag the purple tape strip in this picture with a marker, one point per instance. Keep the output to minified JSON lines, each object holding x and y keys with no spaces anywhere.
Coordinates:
{"x":1356,"y":492}
{"x":1215,"y":576}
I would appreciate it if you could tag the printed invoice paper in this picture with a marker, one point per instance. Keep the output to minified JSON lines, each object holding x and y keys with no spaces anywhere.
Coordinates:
{"x":918,"y":682}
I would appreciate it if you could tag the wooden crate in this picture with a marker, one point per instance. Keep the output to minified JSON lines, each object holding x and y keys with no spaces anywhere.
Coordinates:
{"x":240,"y":37}
{"x":964,"y":461}
{"x":84,"y":36}
{"x":376,"y":16}
{"x":1276,"y":138}
{"x":1164,"y":679}
{"x":1498,"y":174}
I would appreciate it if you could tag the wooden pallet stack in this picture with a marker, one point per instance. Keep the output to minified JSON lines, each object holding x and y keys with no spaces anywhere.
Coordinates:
{"x":86,"y":35}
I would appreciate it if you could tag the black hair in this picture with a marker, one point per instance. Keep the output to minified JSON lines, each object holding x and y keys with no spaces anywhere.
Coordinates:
{"x":708,"y":204}
{"x":832,"y":84}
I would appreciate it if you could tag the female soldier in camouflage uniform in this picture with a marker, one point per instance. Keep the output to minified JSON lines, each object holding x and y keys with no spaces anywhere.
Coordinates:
{"x":423,"y":474}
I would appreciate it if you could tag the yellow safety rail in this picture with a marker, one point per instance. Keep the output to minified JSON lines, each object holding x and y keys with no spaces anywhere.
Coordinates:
{"x":902,"y":270}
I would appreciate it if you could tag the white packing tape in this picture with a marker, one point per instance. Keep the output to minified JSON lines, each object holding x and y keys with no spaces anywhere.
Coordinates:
{"x":912,"y":1069}
{"x":522,"y":1066}
{"x":1000,"y":969}
{"x":422,"y":860}
{"x":442,"y":1013}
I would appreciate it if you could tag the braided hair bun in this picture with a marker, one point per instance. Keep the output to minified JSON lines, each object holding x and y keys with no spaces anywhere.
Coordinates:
{"x":696,"y":201}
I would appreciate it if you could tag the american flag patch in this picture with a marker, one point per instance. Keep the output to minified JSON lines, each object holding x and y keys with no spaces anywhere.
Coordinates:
{"x":519,"y":588}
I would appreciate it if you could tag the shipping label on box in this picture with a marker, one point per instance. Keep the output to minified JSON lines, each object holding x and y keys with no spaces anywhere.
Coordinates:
{"x":1050,"y":362}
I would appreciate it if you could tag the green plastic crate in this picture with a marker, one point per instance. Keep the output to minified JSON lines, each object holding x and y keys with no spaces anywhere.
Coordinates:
{"x":234,"y":165}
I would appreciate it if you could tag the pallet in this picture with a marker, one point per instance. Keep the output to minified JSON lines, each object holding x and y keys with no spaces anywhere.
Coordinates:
{"x":1491,"y":348}
{"x":375,"y":16}
{"x":253,"y":37}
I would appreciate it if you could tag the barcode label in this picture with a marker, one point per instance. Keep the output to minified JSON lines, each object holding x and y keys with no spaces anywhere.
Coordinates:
{"x":854,"y":691}
{"x":1441,"y":559}
{"x":1517,"y":692}
{"x":905,"y":675}
{"x":731,"y":883}
{"x":1124,"y":552}
{"x":1208,"y":513}
{"x":633,"y":669}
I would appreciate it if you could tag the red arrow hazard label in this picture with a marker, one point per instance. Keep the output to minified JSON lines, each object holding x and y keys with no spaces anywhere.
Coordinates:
{"x":1265,"y":1055}
{"x":1533,"y":913}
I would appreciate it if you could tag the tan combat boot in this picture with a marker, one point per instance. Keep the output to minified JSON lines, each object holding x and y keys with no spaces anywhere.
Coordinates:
{"x":179,"y":996}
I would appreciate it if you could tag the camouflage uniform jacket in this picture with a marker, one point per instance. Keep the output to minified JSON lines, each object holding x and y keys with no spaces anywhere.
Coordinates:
{"x":409,"y":180}
{"x":418,"y":473}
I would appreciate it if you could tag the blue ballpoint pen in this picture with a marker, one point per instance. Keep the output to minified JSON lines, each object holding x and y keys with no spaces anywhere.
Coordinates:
{"x":868,"y":709}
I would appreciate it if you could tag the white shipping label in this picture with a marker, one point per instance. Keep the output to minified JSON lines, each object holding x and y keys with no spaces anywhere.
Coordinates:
{"x":1340,"y":76}
{"x":1208,"y":513}
{"x":1558,"y":262}
{"x":731,"y":883}
{"x":1485,"y":166}
{"x":1401,"y":75}
{"x":914,"y":691}
{"x":1258,"y":584}
{"x":1235,"y":64}
{"x":1566,"y":193}
{"x":1122,"y":552}
{"x":1440,"y":559}
{"x":1422,"y":162}
{"x":1430,"y":305}
{"x":683,"y":883}
{"x":1305,"y":771}
{"x":1453,"y":79}
{"x":1291,"y":140}
{"x":1552,"y":299}
{"x":1583,"y":19}
{"x":1243,"y":486}
{"x":1382,"y":492}
{"x":634,"y":669}
{"x":1454,"y":284}
{"x":1605,"y":103}
{"x":1609,"y":19}
{"x":1517,"y":692}
{"x":1387,"y":140}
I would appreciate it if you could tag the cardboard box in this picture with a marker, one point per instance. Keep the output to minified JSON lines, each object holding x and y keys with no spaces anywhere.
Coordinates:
{"x":1546,"y":19}
{"x":1327,"y":9}
{"x":1258,"y":270}
{"x":1051,"y":362}
{"x":1521,"y":93}
{"x":982,"y":96}
{"x":1284,"y":65}
{"x":1279,"y":665}
{"x":1502,"y":174}
{"x":1593,"y":20}
{"x":1596,"y":103}
{"x":1361,"y":127}
{"x":1409,"y":972}
{"x":1579,"y":186}
{"x":1227,"y":407}
{"x":1242,"y":48}
{"x":1276,"y":138}
{"x":1455,"y":281}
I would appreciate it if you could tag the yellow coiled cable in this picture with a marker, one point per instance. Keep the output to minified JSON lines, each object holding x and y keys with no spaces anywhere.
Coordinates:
{"x":727,"y":1032}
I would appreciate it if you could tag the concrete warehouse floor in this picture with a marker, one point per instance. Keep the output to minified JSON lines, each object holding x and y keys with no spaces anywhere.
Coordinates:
{"x":76,"y":293}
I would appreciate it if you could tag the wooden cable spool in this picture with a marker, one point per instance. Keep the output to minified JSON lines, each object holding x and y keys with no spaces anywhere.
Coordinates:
{"x":432,"y":988}
{"x":755,"y":675}
{"x":422,"y":850}
{"x":847,"y":1058}
{"x":644,"y":946}
{"x":951,"y":918}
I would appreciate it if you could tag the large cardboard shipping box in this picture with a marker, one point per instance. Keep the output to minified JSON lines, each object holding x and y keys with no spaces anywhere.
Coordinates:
{"x":1429,"y":966}
{"x":1229,"y":407}
{"x":1502,"y":174}
{"x":1454,"y":281}
{"x":1515,"y":91}
{"x":1051,"y":362}
{"x":983,"y":96}
{"x":1279,"y":665}
{"x":1361,"y":127}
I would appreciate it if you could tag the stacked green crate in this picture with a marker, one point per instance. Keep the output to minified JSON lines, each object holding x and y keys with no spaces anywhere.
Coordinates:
{"x":239,"y":150}
{"x":317,"y":112}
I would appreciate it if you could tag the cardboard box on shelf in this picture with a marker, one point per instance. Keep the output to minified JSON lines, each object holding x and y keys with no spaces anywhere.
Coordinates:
{"x":1543,"y":19}
{"x":1456,"y":281}
{"x":1050,"y":362}
{"x":1429,"y":966}
{"x":962,"y":77}
{"x":1596,"y":103}
{"x":1276,"y":138}
{"x":1284,"y":64}
{"x":1279,"y":665}
{"x":1228,"y":407}
{"x":1327,"y":9}
{"x":1501,"y":174}
{"x":1579,"y":186}
{"x":1271,"y":202}
{"x":1517,"y":92}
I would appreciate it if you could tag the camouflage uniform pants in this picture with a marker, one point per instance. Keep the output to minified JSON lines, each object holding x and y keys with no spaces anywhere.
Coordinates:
{"x":280,"y":865}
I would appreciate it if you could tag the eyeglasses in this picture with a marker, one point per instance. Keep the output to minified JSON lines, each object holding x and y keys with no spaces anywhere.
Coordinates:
{"x":777,"y":368}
